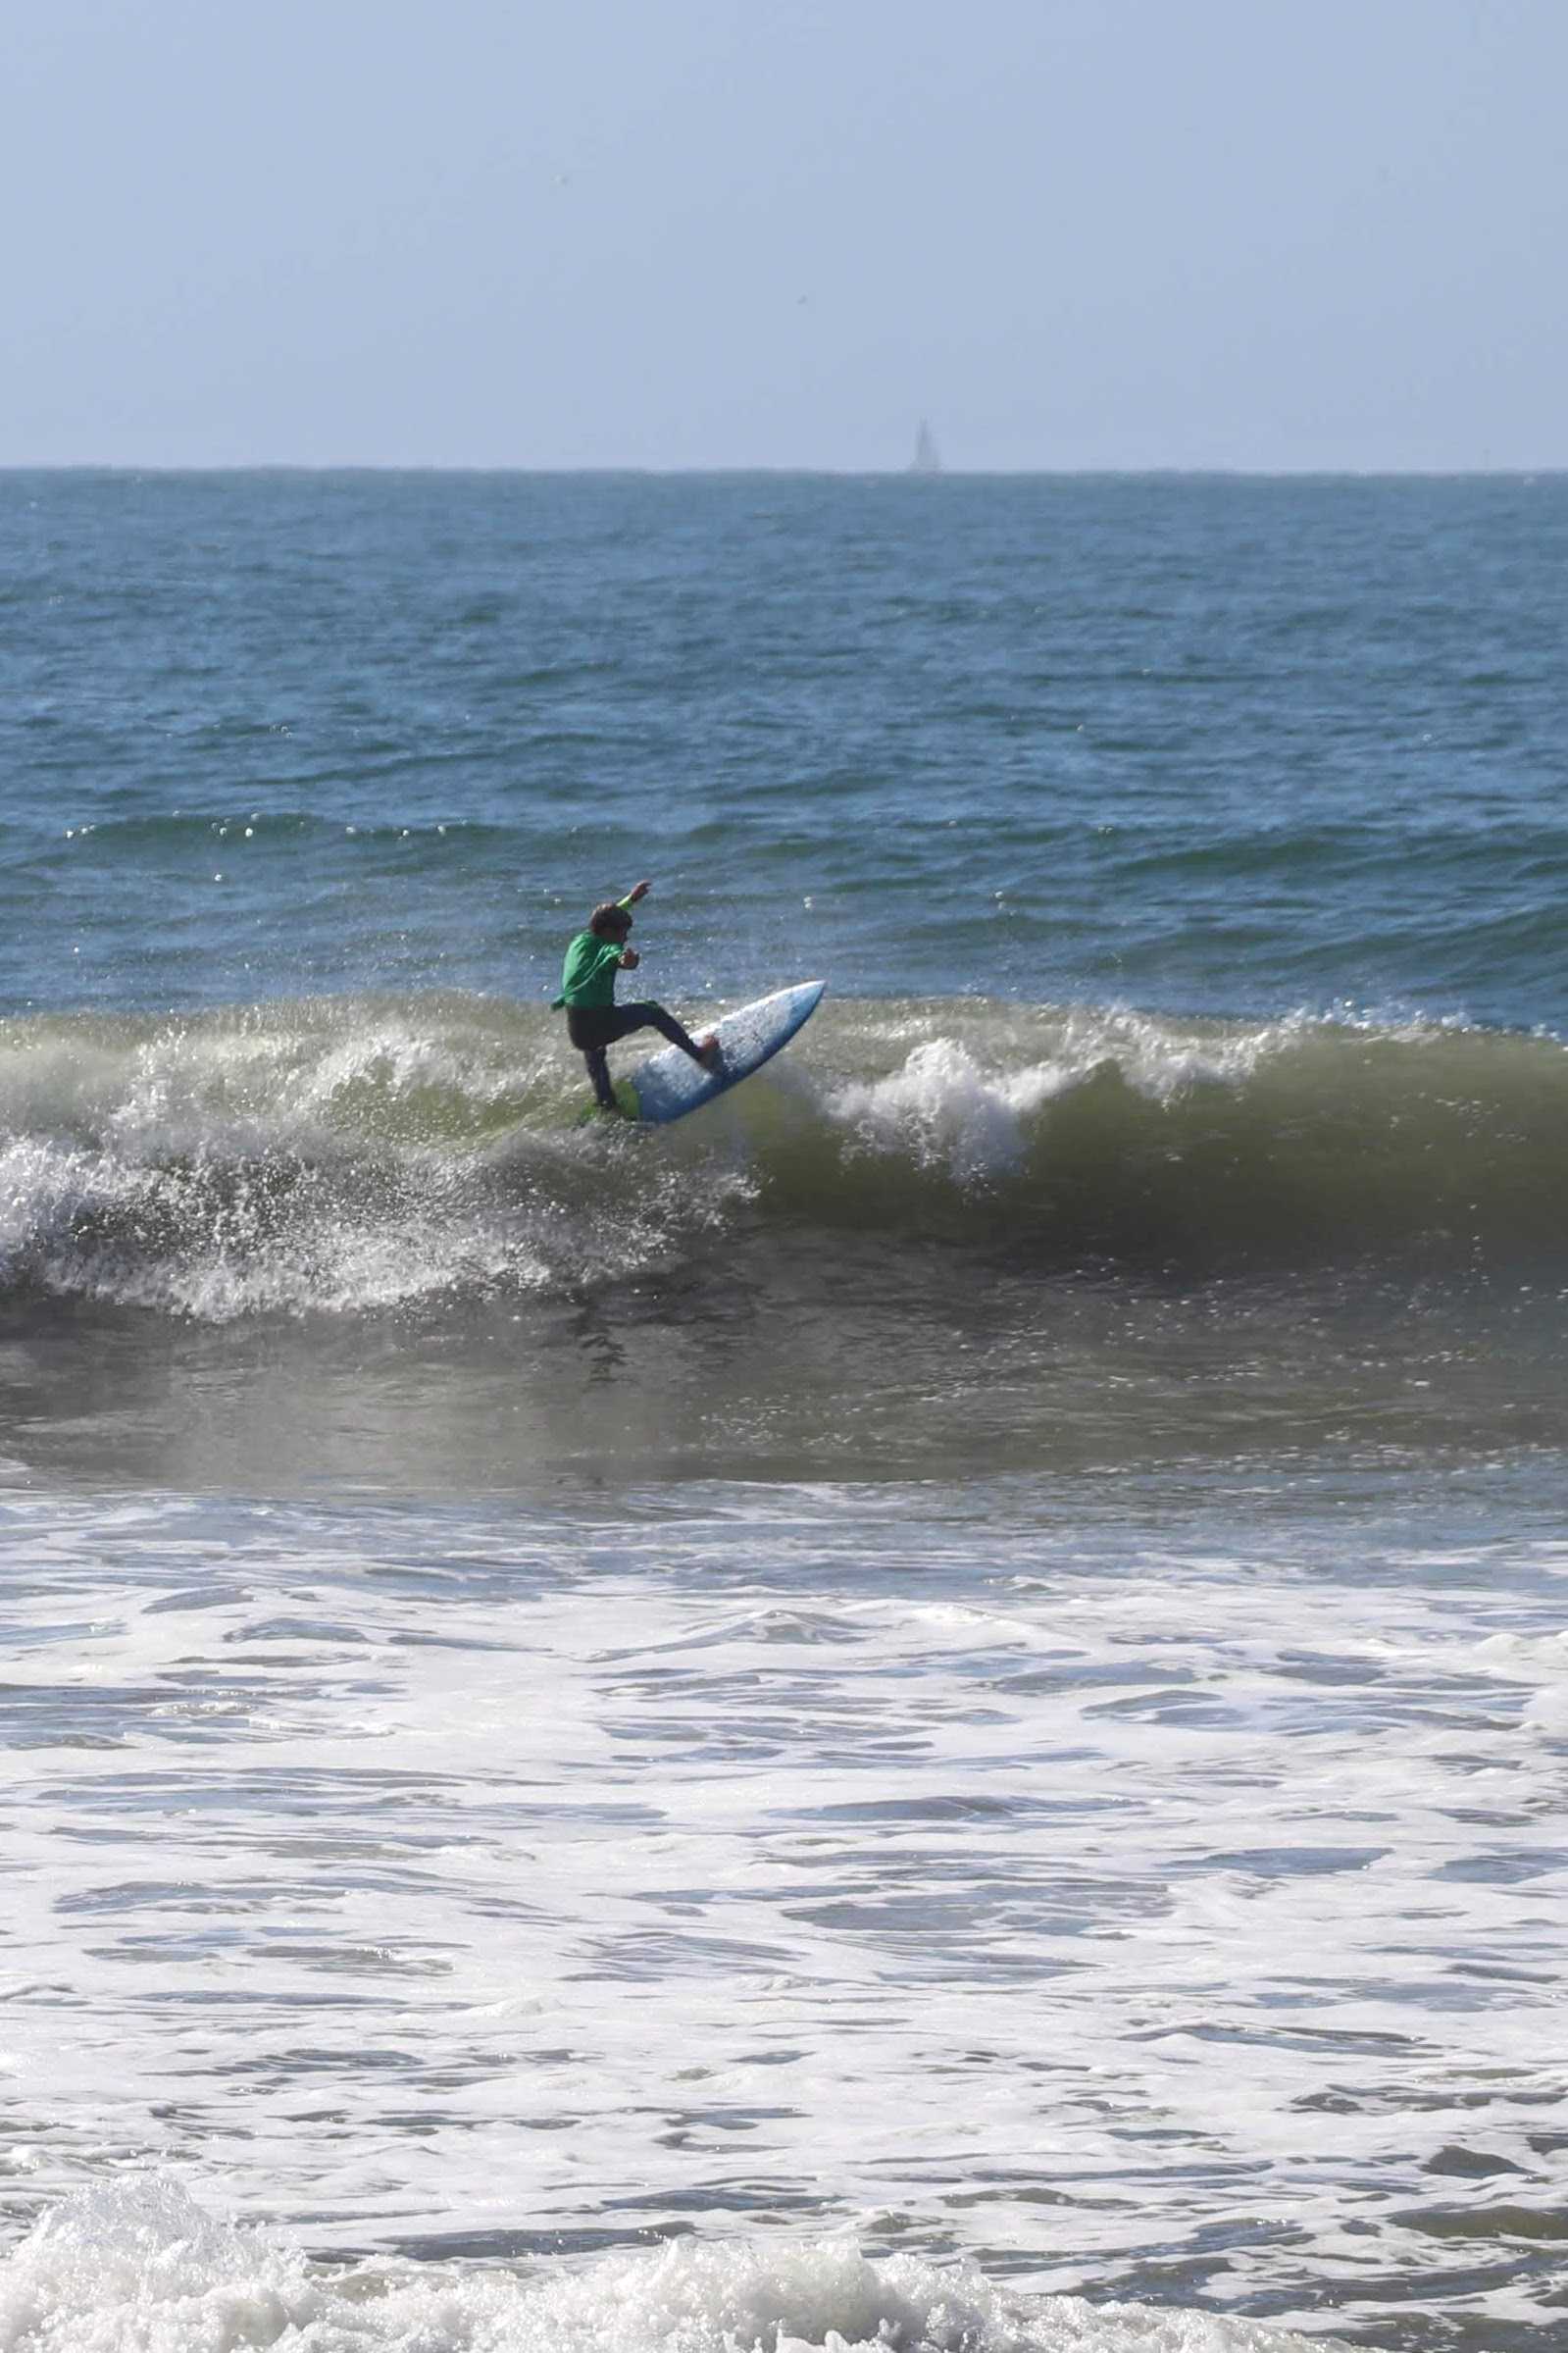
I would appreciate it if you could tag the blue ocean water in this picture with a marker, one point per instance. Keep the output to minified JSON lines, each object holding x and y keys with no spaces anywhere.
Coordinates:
{"x":945,"y":1684}
{"x":1201,"y":746}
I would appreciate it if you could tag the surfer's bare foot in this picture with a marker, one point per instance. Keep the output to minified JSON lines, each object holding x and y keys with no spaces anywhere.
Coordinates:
{"x":710,"y":1054}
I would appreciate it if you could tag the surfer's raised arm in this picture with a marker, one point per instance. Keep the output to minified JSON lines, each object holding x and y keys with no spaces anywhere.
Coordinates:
{"x":629,"y":959}
{"x":636,"y":892}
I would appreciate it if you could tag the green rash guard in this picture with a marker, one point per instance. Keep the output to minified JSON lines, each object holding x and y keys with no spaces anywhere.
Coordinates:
{"x":591,"y":964}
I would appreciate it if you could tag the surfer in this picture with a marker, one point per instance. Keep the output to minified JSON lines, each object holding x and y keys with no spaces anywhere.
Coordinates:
{"x":593,"y":1019}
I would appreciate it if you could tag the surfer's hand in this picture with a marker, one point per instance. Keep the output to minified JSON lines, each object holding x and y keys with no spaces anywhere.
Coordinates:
{"x":629,"y":959}
{"x":638,"y":891}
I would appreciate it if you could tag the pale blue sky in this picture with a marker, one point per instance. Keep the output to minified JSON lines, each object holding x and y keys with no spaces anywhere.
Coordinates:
{"x":1261,"y":234}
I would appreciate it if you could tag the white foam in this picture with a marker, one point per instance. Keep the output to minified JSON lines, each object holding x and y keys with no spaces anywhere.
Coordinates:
{"x":735,"y":1854}
{"x":966,"y":1099}
{"x":942,"y":1109}
{"x":138,"y":2268}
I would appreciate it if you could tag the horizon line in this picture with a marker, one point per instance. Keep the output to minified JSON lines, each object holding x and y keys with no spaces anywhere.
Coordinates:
{"x":899,"y":473}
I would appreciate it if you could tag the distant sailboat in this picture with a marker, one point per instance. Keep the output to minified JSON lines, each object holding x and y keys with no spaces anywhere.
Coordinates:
{"x":928,"y":457}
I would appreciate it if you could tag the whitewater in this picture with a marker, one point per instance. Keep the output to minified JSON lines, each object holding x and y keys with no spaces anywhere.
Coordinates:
{"x":1042,"y":1883}
{"x":928,"y":1712}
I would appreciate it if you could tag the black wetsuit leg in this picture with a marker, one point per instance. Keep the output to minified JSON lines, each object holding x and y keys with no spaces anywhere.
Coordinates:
{"x":591,"y":1028}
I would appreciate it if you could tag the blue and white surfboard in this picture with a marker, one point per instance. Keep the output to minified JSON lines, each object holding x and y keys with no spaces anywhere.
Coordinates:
{"x":669,"y":1084}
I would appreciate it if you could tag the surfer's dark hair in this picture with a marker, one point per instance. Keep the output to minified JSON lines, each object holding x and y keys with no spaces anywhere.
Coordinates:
{"x":610,"y":920}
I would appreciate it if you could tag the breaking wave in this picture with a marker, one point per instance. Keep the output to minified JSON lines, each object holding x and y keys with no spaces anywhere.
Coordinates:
{"x":139,"y":2265}
{"x":357,"y":1154}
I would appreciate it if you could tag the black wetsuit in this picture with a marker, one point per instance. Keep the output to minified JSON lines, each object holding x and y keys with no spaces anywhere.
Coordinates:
{"x":591,"y":1028}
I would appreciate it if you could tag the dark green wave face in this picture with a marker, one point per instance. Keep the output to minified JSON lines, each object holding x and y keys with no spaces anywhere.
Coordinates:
{"x":1033,"y":1138}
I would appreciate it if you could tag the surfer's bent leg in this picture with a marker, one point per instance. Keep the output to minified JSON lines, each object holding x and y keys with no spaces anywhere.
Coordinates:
{"x":650,"y":1016}
{"x":591,"y":1028}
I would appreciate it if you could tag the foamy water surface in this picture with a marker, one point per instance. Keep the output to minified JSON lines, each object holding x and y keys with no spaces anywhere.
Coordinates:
{"x":1125,"y":1916}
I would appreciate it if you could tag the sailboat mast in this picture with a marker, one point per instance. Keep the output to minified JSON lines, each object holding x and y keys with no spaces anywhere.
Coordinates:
{"x":927,"y":458}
